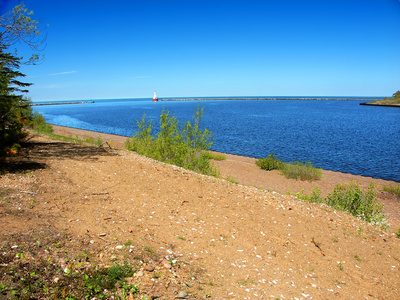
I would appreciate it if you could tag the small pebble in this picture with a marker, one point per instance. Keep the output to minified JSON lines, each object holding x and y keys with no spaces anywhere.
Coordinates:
{"x":138,"y":274}
{"x":149,"y":268}
{"x":182,"y":294}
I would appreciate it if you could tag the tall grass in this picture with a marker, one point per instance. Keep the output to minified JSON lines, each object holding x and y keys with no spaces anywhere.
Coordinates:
{"x":296,"y":170}
{"x":302,"y":171}
{"x":393,"y":189}
{"x":215,"y":155}
{"x":185,"y":146}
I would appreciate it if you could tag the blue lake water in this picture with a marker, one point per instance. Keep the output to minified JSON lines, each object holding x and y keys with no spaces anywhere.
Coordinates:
{"x":334,"y":135}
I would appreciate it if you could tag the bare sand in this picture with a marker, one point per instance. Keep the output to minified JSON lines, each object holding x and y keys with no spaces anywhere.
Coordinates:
{"x":206,"y":236}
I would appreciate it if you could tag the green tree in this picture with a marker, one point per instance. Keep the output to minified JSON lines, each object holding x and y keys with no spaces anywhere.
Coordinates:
{"x":15,"y":26}
{"x":185,"y":146}
{"x":18,"y":25}
{"x":396,"y":95}
{"x":13,"y":107}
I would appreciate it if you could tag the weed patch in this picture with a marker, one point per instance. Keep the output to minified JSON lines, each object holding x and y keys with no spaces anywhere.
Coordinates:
{"x":44,"y":280}
{"x":349,"y":197}
{"x":296,"y":170}
{"x":392,"y":189}
{"x":314,"y":198}
{"x":215,"y":155}
{"x":302,"y":171}
{"x":230,"y":179}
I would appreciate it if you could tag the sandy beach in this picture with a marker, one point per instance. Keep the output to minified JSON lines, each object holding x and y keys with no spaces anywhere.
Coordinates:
{"x":245,"y":172}
{"x":204,"y":236}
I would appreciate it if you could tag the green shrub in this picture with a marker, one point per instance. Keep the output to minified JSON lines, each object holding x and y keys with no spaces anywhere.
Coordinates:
{"x":314,"y":198}
{"x":349,"y":197}
{"x":302,"y":171}
{"x":38,"y":123}
{"x":393,"y":189}
{"x":98,"y":141}
{"x":182,"y":146}
{"x":269,"y":163}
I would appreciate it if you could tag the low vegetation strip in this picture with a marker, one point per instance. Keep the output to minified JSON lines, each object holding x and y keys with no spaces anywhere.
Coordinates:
{"x":392,"y":189}
{"x":393,"y":101}
{"x":349,"y":197}
{"x":346,"y":197}
{"x":296,"y":170}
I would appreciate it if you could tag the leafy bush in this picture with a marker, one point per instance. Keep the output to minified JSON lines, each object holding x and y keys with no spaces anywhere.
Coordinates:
{"x":38,"y":123}
{"x":269,"y":163}
{"x":182,"y":146}
{"x":98,"y":141}
{"x":314,"y":198}
{"x":349,"y":197}
{"x":297,"y":170}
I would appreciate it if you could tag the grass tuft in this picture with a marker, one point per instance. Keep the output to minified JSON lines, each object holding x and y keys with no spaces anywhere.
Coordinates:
{"x":296,"y":170}
{"x":393,"y":189}
{"x":215,"y":155}
{"x":269,"y":163}
{"x":302,"y":171}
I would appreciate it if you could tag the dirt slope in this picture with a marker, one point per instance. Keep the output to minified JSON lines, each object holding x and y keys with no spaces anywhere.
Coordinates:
{"x":222,"y":240}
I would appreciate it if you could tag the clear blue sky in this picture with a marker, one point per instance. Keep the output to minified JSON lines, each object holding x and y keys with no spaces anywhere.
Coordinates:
{"x":127,"y":49}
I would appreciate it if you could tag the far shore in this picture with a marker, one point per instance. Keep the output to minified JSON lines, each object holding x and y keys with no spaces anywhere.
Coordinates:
{"x":381,"y":105}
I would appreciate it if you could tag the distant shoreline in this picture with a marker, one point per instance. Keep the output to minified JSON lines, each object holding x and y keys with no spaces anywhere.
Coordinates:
{"x":58,"y":103}
{"x":268,"y":98}
{"x":382,"y":105}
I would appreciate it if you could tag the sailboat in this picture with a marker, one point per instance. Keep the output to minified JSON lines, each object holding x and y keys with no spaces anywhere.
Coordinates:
{"x":155,"y":97}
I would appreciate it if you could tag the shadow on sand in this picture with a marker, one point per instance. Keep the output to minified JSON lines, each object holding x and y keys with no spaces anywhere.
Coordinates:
{"x":34,"y":155}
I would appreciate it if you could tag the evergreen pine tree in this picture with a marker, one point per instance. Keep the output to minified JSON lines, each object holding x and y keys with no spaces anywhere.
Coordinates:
{"x":12,"y":103}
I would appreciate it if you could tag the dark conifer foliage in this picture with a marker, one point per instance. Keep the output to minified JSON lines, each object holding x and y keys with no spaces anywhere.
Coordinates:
{"x":13,"y":106}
